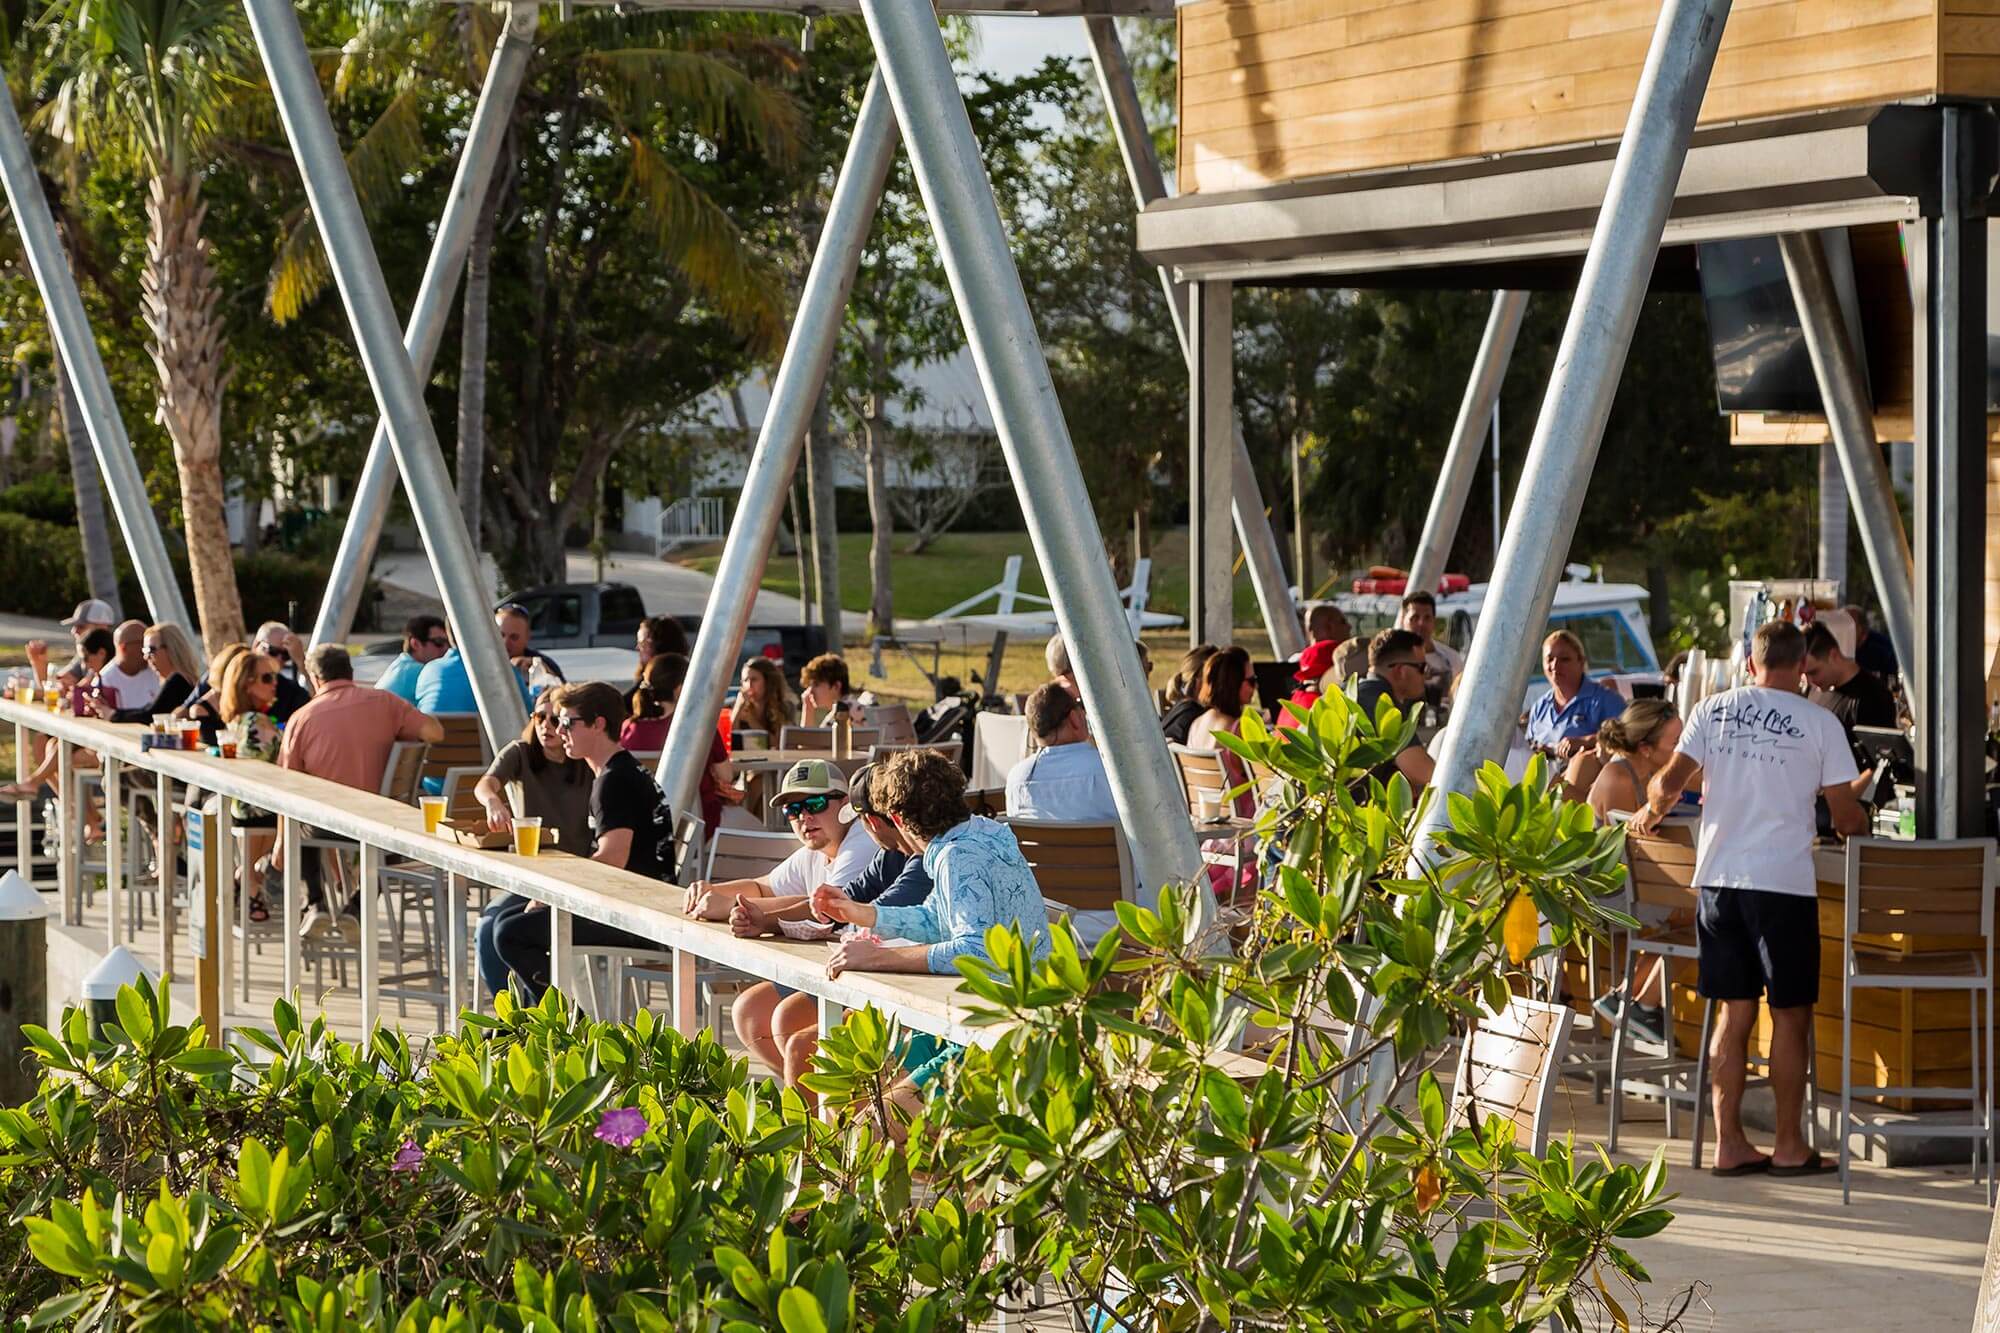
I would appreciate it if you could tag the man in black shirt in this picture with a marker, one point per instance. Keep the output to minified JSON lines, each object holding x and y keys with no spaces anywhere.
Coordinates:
{"x":630,"y":824}
{"x":1396,"y":671}
{"x":1858,"y":698}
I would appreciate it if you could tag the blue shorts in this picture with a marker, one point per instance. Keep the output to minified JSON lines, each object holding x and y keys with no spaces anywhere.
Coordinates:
{"x":927,"y":1057}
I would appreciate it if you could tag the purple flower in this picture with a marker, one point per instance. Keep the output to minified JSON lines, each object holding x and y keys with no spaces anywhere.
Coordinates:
{"x":621,"y":1126}
{"x":409,"y":1157}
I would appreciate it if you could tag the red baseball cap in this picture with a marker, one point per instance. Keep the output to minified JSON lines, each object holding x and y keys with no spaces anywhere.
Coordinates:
{"x":1316,"y":660}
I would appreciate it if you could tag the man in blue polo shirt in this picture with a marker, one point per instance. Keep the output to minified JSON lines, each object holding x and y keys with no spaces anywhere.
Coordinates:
{"x":444,"y":687}
{"x":1566,"y":719}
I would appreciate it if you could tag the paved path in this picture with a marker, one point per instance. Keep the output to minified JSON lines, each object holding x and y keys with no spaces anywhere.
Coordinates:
{"x":20,"y":629}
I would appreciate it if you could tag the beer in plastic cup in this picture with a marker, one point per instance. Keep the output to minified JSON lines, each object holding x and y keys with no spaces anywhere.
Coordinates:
{"x":528,"y":835}
{"x":190,"y":735}
{"x":54,"y":696}
{"x":228,"y":748}
{"x":433,"y":807}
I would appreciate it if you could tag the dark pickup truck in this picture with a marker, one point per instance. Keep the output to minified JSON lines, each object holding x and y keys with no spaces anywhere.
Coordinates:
{"x":607,"y":615}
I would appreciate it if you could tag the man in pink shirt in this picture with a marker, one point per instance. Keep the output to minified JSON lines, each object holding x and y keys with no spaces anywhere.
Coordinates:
{"x":346,"y":732}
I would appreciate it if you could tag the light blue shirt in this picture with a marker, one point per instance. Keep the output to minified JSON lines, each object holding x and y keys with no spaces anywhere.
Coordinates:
{"x":979,"y":880}
{"x":401,"y":678}
{"x":1062,"y":782}
{"x":444,"y":687}
{"x":1593,"y":706}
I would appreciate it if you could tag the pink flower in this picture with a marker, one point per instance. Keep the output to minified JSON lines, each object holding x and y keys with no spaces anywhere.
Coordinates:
{"x":621,"y":1126}
{"x":409,"y":1157}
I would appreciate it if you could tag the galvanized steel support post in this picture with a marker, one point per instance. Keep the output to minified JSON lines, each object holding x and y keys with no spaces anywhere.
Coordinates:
{"x":774,"y":461}
{"x":1149,"y":183}
{"x":1468,"y":440}
{"x":1061,"y":523}
{"x":398,"y":391}
{"x":1570,"y":428}
{"x":86,"y":371}
{"x":1862,"y":467}
{"x":375,"y":487}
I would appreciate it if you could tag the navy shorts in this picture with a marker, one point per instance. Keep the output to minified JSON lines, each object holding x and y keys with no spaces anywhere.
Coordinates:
{"x":1755,"y":943}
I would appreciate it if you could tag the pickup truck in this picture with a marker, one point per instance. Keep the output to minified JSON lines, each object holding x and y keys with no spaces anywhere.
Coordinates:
{"x":607,"y":615}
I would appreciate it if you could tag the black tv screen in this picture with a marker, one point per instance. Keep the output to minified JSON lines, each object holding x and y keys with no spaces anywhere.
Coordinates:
{"x":1761,"y":362}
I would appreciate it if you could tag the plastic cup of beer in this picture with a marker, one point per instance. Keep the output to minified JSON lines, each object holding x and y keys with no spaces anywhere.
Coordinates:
{"x":227,"y":746}
{"x":53,"y":697}
{"x":528,"y":835}
{"x":190,"y":735}
{"x":433,"y":807}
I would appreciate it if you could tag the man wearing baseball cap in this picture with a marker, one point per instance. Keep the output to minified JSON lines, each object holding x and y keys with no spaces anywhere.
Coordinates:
{"x":834,"y":848}
{"x":91,"y":613}
{"x":1314,"y":663}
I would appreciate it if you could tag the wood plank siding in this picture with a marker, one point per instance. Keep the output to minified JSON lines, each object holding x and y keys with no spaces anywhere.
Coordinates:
{"x":1284,"y":90}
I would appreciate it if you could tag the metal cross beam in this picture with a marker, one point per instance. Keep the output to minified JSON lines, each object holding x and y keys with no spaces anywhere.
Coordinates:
{"x":369,"y":505}
{"x":398,"y":392}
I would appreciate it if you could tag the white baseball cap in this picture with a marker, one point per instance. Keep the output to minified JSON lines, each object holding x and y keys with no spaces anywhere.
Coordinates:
{"x":92,"y":611}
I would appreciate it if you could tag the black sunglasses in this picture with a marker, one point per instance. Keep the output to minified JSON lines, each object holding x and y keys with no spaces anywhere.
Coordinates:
{"x":807,"y":805}
{"x":267,"y":677}
{"x":567,"y":722}
{"x":438,"y":643}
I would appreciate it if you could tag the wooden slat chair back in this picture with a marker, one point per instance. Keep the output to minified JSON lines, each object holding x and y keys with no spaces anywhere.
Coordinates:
{"x":1910,"y":888}
{"x":1204,"y":781}
{"x":463,"y":746}
{"x":1084,"y":866}
{"x":894,"y":722}
{"x":735,"y":853}
{"x":1507,"y":1068}
{"x":860,"y":739}
{"x":403,"y":775}
{"x":1660,"y":868}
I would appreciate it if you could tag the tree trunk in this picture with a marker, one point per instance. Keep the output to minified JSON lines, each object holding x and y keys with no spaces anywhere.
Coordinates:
{"x":819,"y":512}
{"x":472,"y":363}
{"x":179,"y":299}
{"x":882,"y":529}
{"x":100,"y":569}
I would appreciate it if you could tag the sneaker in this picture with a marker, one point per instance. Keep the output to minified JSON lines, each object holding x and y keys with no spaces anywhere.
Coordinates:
{"x":1608,"y":1006}
{"x":317,"y":923}
{"x":348,"y":923}
{"x":1649,"y":1023}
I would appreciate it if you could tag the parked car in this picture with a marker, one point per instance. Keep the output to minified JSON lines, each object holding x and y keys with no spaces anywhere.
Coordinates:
{"x":607,"y":615}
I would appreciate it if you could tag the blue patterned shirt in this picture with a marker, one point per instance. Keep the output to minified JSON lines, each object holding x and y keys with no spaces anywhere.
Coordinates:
{"x":979,"y":880}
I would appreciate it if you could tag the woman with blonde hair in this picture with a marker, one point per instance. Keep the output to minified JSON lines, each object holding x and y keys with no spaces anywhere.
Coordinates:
{"x":763,"y":700}
{"x":170,"y":651}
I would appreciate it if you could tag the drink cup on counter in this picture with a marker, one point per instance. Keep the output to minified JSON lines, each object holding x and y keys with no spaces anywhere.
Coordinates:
{"x":227,"y":746}
{"x":528,"y":835}
{"x":433,"y":807}
{"x":190,"y":735}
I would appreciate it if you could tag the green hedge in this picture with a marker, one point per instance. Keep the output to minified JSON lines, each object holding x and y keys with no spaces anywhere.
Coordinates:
{"x":44,"y":575}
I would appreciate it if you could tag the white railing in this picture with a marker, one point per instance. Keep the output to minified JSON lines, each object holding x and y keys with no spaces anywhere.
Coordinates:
{"x":692,"y":520}
{"x":572,"y":887}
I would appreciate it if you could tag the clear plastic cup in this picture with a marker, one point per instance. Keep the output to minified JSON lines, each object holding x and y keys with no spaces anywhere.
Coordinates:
{"x":528,"y":835}
{"x":433,"y":808}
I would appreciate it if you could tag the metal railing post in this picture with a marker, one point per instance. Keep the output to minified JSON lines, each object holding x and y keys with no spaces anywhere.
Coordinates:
{"x":114,"y":855}
{"x":1570,"y":428}
{"x":1852,"y":422}
{"x":766,"y":484}
{"x":291,"y":832}
{"x":86,"y":371}
{"x":1149,"y":183}
{"x":1001,"y":333}
{"x":371,"y":947}
{"x":1468,"y":440}
{"x":398,"y":391}
{"x":375,"y":487}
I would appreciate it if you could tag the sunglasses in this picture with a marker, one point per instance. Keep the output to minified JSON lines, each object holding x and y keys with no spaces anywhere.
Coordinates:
{"x":274,"y":651}
{"x":807,"y":805}
{"x":438,"y":643}
{"x":567,"y":722}
{"x":267,"y":678}
{"x":148,"y":650}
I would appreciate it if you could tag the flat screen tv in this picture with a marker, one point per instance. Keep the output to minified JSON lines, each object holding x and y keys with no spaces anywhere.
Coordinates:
{"x":1761,"y":362}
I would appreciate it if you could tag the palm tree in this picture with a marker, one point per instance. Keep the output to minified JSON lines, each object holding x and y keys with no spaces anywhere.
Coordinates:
{"x":150,"y":85}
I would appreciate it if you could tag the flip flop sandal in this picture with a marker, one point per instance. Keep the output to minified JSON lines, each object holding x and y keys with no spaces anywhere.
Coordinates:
{"x":1812,"y":1166}
{"x":1751,"y":1168}
{"x":258,"y":910}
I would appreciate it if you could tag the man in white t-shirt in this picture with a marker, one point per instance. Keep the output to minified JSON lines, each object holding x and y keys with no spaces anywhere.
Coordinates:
{"x":834,"y":846}
{"x":1764,"y":753}
{"x":128,"y":672}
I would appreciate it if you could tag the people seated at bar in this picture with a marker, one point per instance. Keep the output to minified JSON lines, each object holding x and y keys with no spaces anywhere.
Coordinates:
{"x":243,"y":706}
{"x":205,"y":706}
{"x":1313,"y":664}
{"x":170,"y":651}
{"x":828,"y":689}
{"x":555,"y":789}
{"x":767,"y":1016}
{"x":90,"y":614}
{"x":426,"y":638}
{"x":1350,"y":663}
{"x":99,"y":652}
{"x":1227,"y":688}
{"x":516,"y":635}
{"x":763,"y":700}
{"x":1326,"y":623}
{"x":274,"y":639}
{"x":658,"y":696}
{"x":1184,"y":703}
{"x":94,"y":651}
{"x":128,"y":678}
{"x":1566,"y":719}
{"x":834,"y":847}
{"x":1442,"y":662}
{"x":347,"y":730}
{"x":1065,"y":778}
{"x":630,"y":823}
{"x":655,"y":637}
{"x":443,"y":686}
{"x":1396,"y":673}
{"x":1764,"y":754}
{"x":1632,"y":747}
{"x":1873,"y":650}
{"x":1857,"y":697}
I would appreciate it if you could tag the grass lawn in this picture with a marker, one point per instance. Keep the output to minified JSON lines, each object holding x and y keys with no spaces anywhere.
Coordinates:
{"x":959,"y":564}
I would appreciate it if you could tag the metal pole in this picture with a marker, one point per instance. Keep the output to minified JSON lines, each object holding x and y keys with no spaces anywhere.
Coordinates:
{"x":767,"y":483}
{"x":1869,"y":489}
{"x":86,"y":370}
{"x":369,"y":505}
{"x":1476,"y":413}
{"x":1211,"y":414}
{"x":1499,"y":515}
{"x":1149,"y":183}
{"x":1570,"y":429}
{"x":398,"y":392}
{"x":1001,"y":332}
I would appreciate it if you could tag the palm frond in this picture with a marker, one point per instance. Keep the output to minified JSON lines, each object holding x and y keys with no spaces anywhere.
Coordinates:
{"x":702,"y":243}
{"x":388,"y":151}
{"x":702,"y":93}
